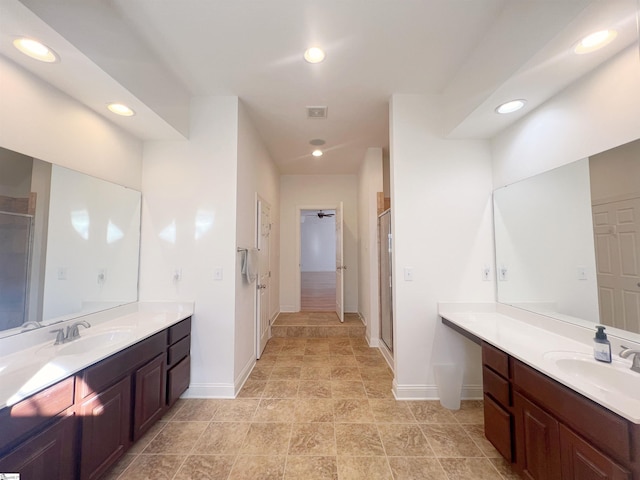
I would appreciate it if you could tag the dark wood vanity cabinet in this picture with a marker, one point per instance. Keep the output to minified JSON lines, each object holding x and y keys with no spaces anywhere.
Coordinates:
{"x":550,"y":432}
{"x":79,"y":427}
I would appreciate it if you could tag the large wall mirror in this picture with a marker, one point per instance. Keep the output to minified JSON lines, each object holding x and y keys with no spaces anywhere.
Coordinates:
{"x":568,"y":240}
{"x":69,"y":243}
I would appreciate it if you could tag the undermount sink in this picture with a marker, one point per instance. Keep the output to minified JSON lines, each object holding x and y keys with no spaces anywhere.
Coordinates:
{"x":89,"y":342}
{"x":615,"y":377}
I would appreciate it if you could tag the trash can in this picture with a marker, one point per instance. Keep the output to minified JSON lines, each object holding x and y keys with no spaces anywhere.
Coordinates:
{"x":449,"y":382}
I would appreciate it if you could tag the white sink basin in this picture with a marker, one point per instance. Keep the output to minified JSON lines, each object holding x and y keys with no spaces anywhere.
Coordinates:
{"x":615,"y":377}
{"x":89,"y":342}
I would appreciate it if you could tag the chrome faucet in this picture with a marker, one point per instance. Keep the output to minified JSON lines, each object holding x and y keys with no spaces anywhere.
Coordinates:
{"x":72,"y":332}
{"x":32,"y":324}
{"x":626,"y":352}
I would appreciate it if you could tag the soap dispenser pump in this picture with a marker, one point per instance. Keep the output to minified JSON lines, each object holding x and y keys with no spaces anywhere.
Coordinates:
{"x":601,"y":346}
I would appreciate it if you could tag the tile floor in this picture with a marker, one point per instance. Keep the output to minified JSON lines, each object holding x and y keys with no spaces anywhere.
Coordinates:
{"x":316,"y":408}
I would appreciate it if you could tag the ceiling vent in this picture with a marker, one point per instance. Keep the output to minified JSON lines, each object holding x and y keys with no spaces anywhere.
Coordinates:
{"x":316,"y":112}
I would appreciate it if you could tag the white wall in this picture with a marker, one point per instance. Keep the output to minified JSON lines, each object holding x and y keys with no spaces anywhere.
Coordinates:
{"x":597,"y":113}
{"x":257,"y":173}
{"x":316,"y":191}
{"x":441,"y":199}
{"x":189,"y":222}
{"x":40,"y":121}
{"x":317,"y":242}
{"x":370,"y":180}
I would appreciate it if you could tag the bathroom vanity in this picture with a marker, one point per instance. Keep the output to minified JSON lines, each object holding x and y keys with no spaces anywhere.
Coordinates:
{"x":102,"y":400}
{"x":549,"y":408}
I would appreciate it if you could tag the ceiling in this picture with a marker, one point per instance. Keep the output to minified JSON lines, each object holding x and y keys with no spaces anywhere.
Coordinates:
{"x":158,"y":55}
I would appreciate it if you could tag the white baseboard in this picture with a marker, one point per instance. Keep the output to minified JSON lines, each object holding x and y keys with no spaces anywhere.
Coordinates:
{"x":209,"y":390}
{"x":288,"y":309}
{"x":244,"y":375}
{"x":430,"y":392}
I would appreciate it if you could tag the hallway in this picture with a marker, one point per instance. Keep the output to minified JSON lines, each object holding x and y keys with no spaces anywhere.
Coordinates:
{"x":316,"y":408}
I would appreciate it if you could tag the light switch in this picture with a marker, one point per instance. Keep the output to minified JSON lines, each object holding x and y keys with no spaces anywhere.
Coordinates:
{"x":217,"y":273}
{"x":582,"y":273}
{"x":408,"y":274}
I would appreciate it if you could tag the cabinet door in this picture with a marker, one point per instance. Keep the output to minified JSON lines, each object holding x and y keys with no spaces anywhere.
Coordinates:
{"x":178,"y":380}
{"x":581,"y":461}
{"x":150,"y":395}
{"x":50,"y":454}
{"x":497,"y":427}
{"x":537,"y":441}
{"x":106,"y":426}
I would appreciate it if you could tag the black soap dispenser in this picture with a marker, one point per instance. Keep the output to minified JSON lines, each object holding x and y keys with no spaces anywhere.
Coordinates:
{"x":601,"y":346}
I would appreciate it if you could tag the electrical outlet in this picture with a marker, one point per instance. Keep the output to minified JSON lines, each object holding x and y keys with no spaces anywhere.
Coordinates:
{"x":486,"y":273}
{"x":502,"y":273}
{"x":62,"y":273}
{"x":217,"y":273}
{"x":408,"y":274}
{"x":582,"y":273}
{"x":176,"y":275}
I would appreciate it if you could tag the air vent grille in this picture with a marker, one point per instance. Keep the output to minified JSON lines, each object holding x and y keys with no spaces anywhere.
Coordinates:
{"x":316,"y":112}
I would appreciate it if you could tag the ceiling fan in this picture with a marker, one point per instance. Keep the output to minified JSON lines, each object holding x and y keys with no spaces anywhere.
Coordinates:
{"x":320,"y":214}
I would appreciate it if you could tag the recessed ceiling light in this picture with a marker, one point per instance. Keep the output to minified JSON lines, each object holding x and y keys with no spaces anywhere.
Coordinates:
{"x":314,"y":55}
{"x":510,"y":107}
{"x":595,"y":41}
{"x":35,"y":49}
{"x":317,"y":153}
{"x":121,"y":109}
{"x":317,"y":142}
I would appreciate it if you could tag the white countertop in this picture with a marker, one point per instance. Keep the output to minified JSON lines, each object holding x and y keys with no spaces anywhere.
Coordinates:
{"x":29,"y":362}
{"x":537,"y":347}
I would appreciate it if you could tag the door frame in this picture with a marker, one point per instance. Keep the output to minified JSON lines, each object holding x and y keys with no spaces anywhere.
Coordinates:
{"x":258,"y":305}
{"x":298,"y":277}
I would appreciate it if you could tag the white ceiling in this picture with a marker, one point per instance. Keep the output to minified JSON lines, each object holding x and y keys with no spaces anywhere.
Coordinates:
{"x":157,"y":55}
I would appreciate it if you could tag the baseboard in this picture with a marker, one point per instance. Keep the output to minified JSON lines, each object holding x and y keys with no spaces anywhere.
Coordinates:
{"x":430,"y":392}
{"x":244,"y":375}
{"x":387,"y":355}
{"x":288,"y":309}
{"x":209,"y":390}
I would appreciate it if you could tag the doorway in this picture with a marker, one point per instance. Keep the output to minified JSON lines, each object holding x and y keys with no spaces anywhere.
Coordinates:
{"x":317,"y":260}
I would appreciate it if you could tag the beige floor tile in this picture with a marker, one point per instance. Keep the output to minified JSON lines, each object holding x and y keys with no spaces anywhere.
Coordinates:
{"x":429,"y":411}
{"x":267,"y":439}
{"x":311,"y":468}
{"x":252,"y":389}
{"x":476,"y":432}
{"x":285,"y":373}
{"x":345,"y":373}
{"x":358,"y":439}
{"x":469,"y":469}
{"x":222,"y":438}
{"x":450,"y":440}
{"x":169,"y":414}
{"x":340,"y":350}
{"x":375,"y":361}
{"x":313,"y":410}
{"x":316,"y":360}
{"x":504,"y":468}
{"x":404,"y":440}
{"x":261,"y":372}
{"x":375,"y":373}
{"x":378,"y":389}
{"x":275,"y":410}
{"x":317,"y":389}
{"x":363,"y":468}
{"x":205,"y":467}
{"x":238,"y":410}
{"x":295,"y":349}
{"x":339,"y":341}
{"x":120,"y":467}
{"x":281,"y":389}
{"x":249,"y":467}
{"x":315,"y":372}
{"x":156,"y":467}
{"x":416,"y":468}
{"x":352,"y":411}
{"x":176,"y":438}
{"x":347,"y":389}
{"x":142,"y":443}
{"x":391,"y":411}
{"x":321,"y":349}
{"x":471,"y":411}
{"x":289,"y":361}
{"x":197,"y":410}
{"x":312,"y":439}
{"x":343,"y":361}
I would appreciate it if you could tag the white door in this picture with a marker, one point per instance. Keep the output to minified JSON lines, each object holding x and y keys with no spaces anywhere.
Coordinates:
{"x":263,"y":329}
{"x":340,"y":266}
{"x":617,"y":240}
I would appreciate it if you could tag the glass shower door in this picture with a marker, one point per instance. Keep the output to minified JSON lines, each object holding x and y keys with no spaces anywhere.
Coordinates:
{"x":385,"y":245}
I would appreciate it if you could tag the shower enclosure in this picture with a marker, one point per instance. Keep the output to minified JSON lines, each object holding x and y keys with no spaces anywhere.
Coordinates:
{"x":385,"y":245}
{"x":16,"y":239}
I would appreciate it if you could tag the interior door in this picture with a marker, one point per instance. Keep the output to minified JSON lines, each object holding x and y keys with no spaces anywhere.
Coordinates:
{"x":340,"y":266}
{"x":617,"y":241}
{"x":263,"y":329}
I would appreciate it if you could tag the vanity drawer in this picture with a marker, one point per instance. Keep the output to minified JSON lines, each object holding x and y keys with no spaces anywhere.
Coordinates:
{"x":495,"y":359}
{"x":496,"y":386}
{"x":497,"y":427}
{"x":34,"y":412}
{"x":178,"y":380}
{"x":608,"y":431}
{"x":179,"y":350}
{"x":101,"y":375}
{"x":179,"y":330}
